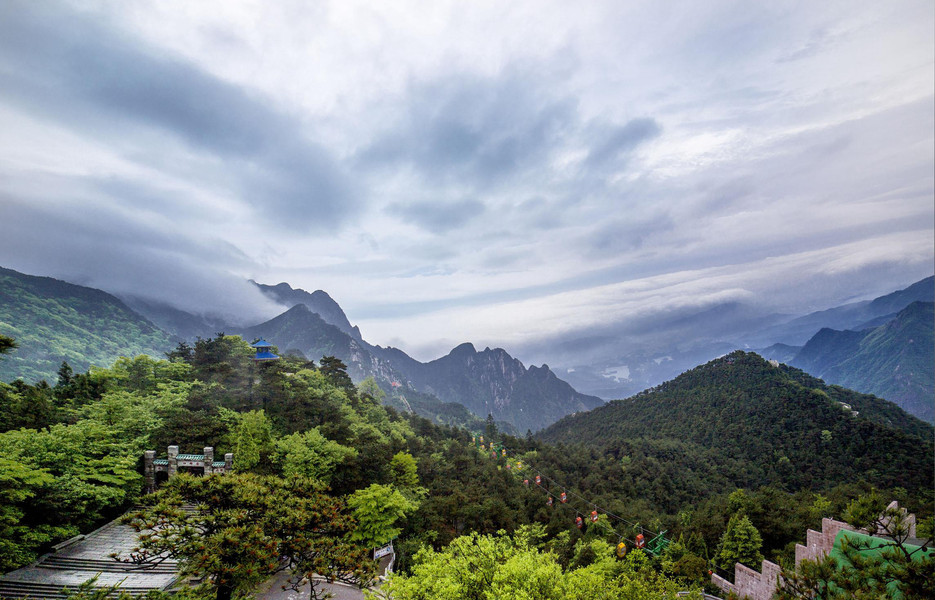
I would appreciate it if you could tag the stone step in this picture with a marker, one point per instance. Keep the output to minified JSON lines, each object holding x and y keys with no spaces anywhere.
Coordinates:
{"x":76,"y":560}
{"x":37,"y":591}
{"x":107,"y":566}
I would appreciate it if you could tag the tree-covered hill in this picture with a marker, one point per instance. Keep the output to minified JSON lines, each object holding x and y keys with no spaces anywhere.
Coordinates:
{"x":895,"y":360}
{"x":784,"y":427}
{"x":54,"y":321}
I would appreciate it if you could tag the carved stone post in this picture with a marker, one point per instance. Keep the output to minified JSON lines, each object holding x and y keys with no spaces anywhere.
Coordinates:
{"x":209,"y":460}
{"x":173,"y":461}
{"x":149,"y":470}
{"x":228,"y":462}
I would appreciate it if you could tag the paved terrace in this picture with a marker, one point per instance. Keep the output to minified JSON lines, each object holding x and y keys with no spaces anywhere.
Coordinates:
{"x":80,"y":559}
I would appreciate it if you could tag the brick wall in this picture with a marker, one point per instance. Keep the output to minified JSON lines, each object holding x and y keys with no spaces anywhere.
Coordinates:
{"x":748,"y":583}
{"x":761,"y":586}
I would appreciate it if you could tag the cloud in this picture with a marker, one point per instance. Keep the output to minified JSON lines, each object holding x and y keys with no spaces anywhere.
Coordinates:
{"x":614,"y":143}
{"x":75,"y":69}
{"x":126,"y":255}
{"x":483,"y":130}
{"x":518,"y":176}
{"x":438,"y":217}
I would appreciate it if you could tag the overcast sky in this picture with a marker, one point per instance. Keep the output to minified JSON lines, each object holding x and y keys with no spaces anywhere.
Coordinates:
{"x":495,"y":172}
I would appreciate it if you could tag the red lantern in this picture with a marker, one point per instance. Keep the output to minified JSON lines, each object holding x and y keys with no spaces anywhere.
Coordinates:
{"x":564,"y":498}
{"x":549,"y":501}
{"x":594,"y":516}
{"x":640,"y":541}
{"x":579,"y":522}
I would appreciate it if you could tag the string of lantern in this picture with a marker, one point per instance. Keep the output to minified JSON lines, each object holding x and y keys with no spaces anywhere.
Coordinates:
{"x":655,"y":545}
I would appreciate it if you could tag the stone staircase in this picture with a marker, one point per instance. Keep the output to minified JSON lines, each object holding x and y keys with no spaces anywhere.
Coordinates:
{"x":53,"y":561}
{"x":26,"y":589}
{"x":86,"y":557}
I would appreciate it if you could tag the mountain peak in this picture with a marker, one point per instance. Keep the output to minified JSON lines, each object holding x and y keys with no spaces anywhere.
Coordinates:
{"x":465,"y":349}
{"x":318,"y":302}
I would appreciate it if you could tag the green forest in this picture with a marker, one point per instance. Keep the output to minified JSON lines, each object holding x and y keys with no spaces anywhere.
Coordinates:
{"x":54,"y":321}
{"x":314,"y":452}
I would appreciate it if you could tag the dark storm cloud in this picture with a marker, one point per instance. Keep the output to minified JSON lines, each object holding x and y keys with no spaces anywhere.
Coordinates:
{"x":478,"y":131}
{"x":75,"y":70}
{"x":124,"y":254}
{"x":438,"y":217}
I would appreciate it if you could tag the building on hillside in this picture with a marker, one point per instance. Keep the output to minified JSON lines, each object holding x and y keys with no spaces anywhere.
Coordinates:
{"x":263,"y":351}
{"x":748,"y":583}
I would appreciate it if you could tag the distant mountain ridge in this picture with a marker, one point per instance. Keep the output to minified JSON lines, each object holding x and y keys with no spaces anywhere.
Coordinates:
{"x":54,"y":321}
{"x":895,"y":360}
{"x":489,"y":382}
{"x":856,"y":315}
{"x":615,"y":370}
{"x":493,"y":382}
{"x":766,"y":424}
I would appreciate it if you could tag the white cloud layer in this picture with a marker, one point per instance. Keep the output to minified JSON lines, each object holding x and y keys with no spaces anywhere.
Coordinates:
{"x":507,"y":174}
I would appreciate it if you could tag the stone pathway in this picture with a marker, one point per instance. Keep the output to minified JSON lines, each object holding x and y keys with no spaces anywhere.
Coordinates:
{"x":83,"y":557}
{"x":272,"y":590}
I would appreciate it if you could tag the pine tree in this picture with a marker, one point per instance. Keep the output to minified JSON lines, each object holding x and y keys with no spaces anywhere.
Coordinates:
{"x":740,"y":543}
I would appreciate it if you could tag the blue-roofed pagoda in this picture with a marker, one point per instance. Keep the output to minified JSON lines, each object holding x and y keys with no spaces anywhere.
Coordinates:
{"x":263,"y":351}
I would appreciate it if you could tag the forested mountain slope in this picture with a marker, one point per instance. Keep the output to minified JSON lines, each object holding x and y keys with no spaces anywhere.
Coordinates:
{"x":895,"y":361}
{"x":782,"y":425}
{"x":54,"y":321}
{"x":851,"y":316}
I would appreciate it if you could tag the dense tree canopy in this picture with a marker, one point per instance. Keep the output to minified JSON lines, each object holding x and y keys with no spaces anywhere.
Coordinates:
{"x":70,"y":459}
{"x":246,"y":528}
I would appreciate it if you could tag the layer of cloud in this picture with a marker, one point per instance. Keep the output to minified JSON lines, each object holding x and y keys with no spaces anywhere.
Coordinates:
{"x":519,"y":175}
{"x":73,"y":69}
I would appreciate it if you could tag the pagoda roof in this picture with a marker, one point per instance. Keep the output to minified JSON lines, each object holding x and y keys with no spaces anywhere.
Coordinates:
{"x":261,"y":344}
{"x":265,"y":356}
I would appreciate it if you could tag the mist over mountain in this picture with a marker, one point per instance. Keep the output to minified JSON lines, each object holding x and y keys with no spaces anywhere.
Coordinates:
{"x":175,"y":321}
{"x":318,"y":302}
{"x":616,"y":363}
{"x":54,"y":321}
{"x":489,"y":382}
